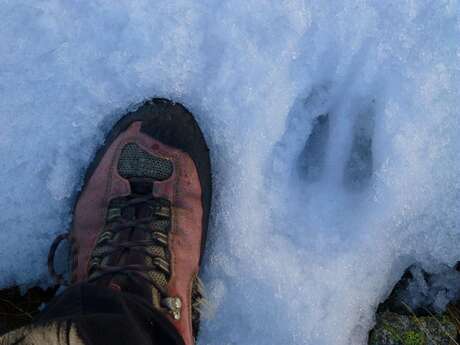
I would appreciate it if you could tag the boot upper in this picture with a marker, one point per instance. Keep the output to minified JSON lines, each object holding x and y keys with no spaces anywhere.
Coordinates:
{"x":144,"y":210}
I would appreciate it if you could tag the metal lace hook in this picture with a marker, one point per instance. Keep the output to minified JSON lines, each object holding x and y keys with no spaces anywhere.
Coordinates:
{"x":58,"y":278}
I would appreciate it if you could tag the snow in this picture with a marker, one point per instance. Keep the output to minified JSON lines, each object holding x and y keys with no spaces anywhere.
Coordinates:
{"x":293,"y":257}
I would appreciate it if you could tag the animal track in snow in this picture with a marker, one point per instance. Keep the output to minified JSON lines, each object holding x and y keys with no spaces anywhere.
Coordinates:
{"x":357,"y":167}
{"x":311,"y":159}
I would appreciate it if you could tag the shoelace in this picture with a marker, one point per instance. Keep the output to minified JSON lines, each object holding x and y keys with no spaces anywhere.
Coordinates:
{"x":111,"y":246}
{"x":98,"y":271}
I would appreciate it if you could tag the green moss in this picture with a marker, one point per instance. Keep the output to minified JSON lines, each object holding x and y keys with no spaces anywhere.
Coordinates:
{"x":391,"y":331}
{"x":448,"y":319}
{"x":414,"y":338}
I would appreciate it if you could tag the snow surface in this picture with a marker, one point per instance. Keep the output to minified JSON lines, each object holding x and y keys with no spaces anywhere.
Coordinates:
{"x":307,"y":237}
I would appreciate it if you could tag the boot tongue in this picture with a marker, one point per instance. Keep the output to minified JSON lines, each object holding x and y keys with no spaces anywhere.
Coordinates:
{"x":135,"y":284}
{"x":141,"y":186}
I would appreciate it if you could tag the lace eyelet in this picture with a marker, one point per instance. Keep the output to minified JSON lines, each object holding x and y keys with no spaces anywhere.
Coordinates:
{"x":174,"y":306}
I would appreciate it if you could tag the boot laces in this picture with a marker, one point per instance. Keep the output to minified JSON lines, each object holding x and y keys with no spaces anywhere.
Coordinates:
{"x":109,"y":242}
{"x":114,"y":241}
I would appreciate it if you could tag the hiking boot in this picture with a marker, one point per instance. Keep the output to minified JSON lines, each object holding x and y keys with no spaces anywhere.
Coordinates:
{"x":140,"y":221}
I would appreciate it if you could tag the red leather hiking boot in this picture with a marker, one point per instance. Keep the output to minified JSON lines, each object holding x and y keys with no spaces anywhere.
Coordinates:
{"x":140,"y":221}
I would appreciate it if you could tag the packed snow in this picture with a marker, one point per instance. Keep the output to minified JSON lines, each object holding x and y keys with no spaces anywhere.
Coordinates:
{"x":333,"y":128}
